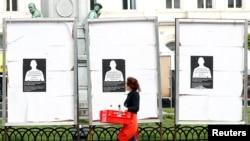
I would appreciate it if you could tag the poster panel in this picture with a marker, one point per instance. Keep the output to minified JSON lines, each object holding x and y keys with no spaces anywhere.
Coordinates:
{"x":113,"y":75}
{"x":210,"y":71}
{"x":41,"y":76}
{"x":117,"y":49}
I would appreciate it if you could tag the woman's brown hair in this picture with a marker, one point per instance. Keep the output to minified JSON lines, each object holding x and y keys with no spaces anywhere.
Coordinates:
{"x":133,"y":84}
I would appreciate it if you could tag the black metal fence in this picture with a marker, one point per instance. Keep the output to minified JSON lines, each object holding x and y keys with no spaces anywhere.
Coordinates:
{"x":102,"y":133}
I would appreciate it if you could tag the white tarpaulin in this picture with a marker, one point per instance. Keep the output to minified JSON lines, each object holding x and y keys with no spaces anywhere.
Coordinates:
{"x":133,"y":45}
{"x":40,"y":85}
{"x":210,"y":69}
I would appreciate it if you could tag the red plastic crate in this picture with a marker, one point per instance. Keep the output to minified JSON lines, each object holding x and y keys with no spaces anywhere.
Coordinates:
{"x":115,"y":116}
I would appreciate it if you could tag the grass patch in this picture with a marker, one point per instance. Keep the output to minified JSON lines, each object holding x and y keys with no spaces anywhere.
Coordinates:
{"x":168,"y":119}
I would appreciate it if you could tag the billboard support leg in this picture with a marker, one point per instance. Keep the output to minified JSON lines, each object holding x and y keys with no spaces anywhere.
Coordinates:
{"x":161,"y":131}
{"x":90,"y":133}
{"x":5,"y":133}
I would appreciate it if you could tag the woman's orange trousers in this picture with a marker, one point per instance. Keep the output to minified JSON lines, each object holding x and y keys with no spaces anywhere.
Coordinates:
{"x":129,"y":130}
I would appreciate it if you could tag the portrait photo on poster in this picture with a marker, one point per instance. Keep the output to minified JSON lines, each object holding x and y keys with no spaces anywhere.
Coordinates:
{"x":113,"y":75}
{"x":201,"y":72}
{"x":34,"y":75}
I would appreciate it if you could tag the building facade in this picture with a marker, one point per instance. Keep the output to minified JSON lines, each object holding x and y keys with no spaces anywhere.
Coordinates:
{"x":165,"y":10}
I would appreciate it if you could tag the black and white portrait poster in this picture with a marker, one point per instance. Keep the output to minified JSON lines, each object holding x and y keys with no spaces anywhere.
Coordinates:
{"x":34,"y":75}
{"x":202,"y":72}
{"x":113,"y":75}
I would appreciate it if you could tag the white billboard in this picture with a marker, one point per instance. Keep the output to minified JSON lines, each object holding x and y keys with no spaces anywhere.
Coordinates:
{"x":211,"y":70}
{"x":41,"y":72}
{"x":131,"y":47}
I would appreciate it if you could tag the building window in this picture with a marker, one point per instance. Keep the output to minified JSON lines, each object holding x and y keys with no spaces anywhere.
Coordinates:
{"x":92,"y":4}
{"x":11,"y":5}
{"x":129,"y":4}
{"x":234,"y":4}
{"x":171,"y":46}
{"x":1,"y":40}
{"x":204,"y":3}
{"x":171,"y":4}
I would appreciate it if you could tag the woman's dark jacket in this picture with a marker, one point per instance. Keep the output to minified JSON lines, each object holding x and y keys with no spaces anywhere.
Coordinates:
{"x":132,"y":102}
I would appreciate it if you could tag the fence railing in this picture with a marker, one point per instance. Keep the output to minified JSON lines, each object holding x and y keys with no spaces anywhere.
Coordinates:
{"x":102,"y":133}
